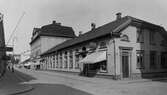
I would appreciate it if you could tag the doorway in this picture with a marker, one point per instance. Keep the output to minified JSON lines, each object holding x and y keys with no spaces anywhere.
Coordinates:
{"x":125,"y":56}
{"x":125,"y":66}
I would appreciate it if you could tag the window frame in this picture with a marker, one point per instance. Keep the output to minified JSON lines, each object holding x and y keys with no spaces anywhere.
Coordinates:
{"x":102,"y":64}
{"x":152,"y":37}
{"x":153,"y":65}
{"x":140,"y":35}
{"x":164,"y":57}
{"x":141,"y":55}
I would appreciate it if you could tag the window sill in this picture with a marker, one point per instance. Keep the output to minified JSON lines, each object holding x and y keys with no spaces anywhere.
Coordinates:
{"x":102,"y":71}
{"x":139,"y":42}
{"x":140,"y":68}
{"x":153,"y":44}
{"x":125,"y":40}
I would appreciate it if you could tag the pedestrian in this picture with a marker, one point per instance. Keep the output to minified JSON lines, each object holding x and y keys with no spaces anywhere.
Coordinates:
{"x":12,"y":69}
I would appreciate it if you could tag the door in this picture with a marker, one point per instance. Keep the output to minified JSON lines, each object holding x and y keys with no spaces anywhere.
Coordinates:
{"x":125,"y":66}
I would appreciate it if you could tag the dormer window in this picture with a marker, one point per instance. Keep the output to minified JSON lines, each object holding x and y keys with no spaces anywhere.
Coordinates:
{"x":140,"y":35}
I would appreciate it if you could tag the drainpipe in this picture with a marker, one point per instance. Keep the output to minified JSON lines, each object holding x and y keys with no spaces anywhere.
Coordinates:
{"x":114,"y":57}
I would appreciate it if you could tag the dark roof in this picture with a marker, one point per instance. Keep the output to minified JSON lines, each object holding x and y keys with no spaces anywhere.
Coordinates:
{"x":106,"y":29}
{"x":56,"y":30}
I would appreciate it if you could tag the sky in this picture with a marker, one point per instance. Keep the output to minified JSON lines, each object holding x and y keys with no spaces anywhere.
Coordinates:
{"x":78,"y":14}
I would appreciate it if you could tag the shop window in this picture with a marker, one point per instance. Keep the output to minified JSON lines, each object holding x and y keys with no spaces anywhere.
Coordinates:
{"x":153,"y":59}
{"x":140,"y":59}
{"x":140,"y":35}
{"x":103,"y":45}
{"x":164,"y":60}
{"x":103,"y":66}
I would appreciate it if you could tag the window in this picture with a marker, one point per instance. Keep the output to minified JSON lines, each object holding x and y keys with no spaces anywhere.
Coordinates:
{"x":65,"y":60}
{"x":83,"y":54}
{"x":103,"y":66}
{"x":140,"y":59}
{"x":57,"y":61}
{"x":50,"y":61}
{"x":71,"y":59}
{"x":53,"y":61}
{"x":76,"y":59}
{"x":61,"y":61}
{"x":140,"y":35}
{"x":152,"y":41}
{"x":164,"y":60}
{"x":153,"y":59}
{"x":164,"y":43}
{"x":83,"y":49}
{"x":103,"y":45}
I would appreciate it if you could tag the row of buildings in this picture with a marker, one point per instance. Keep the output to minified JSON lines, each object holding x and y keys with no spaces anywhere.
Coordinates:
{"x":124,"y":48}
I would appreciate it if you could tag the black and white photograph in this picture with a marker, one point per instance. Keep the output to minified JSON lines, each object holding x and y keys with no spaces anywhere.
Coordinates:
{"x":83,"y":47}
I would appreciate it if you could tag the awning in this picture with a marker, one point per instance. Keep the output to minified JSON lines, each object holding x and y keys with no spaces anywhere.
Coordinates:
{"x":36,"y":63}
{"x":94,"y":58}
{"x":28,"y":64}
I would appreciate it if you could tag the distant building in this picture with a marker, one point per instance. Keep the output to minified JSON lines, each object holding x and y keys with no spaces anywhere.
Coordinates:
{"x":2,"y":47}
{"x":48,"y":36}
{"x":125,"y":48}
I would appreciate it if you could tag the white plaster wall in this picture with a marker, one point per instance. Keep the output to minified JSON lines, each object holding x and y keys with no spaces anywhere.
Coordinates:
{"x":35,"y":46}
{"x":49,"y":42}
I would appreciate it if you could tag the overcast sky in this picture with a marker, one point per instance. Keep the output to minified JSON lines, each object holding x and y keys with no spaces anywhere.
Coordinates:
{"x":75,"y":13}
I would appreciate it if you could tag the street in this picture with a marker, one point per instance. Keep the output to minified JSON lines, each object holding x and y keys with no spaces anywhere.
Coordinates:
{"x":54,"y":83}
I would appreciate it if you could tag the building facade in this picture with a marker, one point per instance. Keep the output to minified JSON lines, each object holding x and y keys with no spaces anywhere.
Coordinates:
{"x":46,"y":37}
{"x":2,"y":48}
{"x":125,"y":48}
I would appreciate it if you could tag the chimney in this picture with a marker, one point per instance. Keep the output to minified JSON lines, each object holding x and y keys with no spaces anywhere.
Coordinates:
{"x":80,"y":33}
{"x":53,"y":22}
{"x":93,"y":26}
{"x":118,"y":16}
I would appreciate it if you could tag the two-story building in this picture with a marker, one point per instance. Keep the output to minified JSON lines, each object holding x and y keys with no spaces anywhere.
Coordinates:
{"x":46,"y":37}
{"x":125,"y":48}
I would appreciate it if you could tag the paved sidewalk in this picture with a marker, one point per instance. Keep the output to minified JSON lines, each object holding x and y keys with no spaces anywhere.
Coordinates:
{"x":101,"y":80}
{"x":100,"y":86}
{"x":11,"y":84}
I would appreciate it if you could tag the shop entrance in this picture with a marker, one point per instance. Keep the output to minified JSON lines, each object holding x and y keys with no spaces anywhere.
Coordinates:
{"x":125,"y":59}
{"x":125,"y":66}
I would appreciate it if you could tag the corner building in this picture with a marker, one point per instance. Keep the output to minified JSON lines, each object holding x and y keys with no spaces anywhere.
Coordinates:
{"x":125,"y":48}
